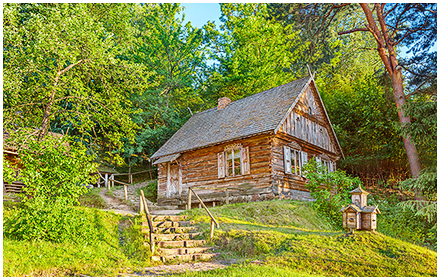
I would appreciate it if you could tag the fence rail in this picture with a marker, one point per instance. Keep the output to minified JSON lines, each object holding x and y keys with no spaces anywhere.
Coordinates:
{"x":144,"y":208}
{"x":213,"y":221}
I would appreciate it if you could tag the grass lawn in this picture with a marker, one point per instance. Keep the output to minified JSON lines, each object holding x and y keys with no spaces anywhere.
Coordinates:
{"x":116,"y":251}
{"x":286,"y":238}
{"x":271,"y":238}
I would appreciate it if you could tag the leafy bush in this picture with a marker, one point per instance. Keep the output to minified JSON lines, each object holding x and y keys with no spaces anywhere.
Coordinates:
{"x":54,"y":170}
{"x":51,"y":222}
{"x":330,"y":189}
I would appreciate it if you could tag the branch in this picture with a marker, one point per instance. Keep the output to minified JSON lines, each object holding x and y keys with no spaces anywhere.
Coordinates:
{"x":395,"y":6}
{"x":417,"y":89}
{"x":327,"y":15}
{"x":352,"y":31}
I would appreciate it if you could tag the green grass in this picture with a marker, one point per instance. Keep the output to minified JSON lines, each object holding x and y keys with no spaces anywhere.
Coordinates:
{"x":272,"y":238}
{"x":106,"y":257}
{"x":291,"y":240}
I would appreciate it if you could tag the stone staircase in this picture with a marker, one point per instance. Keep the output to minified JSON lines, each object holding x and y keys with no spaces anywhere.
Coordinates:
{"x":175,"y":239}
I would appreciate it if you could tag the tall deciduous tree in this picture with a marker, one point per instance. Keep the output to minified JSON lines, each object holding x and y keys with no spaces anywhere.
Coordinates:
{"x":174,"y":52}
{"x":61,"y":61}
{"x":254,"y":53}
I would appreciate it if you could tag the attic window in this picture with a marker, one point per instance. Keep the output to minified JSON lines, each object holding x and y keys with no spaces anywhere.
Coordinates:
{"x":310,"y":110}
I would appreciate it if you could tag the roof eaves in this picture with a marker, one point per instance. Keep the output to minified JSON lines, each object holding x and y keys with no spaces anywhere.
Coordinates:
{"x":331,"y":126}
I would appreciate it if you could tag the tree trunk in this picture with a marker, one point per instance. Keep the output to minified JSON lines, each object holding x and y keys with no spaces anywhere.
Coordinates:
{"x":387,"y":53}
{"x":410,"y":148}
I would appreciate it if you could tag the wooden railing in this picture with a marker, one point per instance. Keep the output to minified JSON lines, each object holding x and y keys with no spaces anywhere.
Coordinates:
{"x":227,"y":189}
{"x":144,"y":208}
{"x":130,"y":175}
{"x":119,"y":182}
{"x":213,"y":221}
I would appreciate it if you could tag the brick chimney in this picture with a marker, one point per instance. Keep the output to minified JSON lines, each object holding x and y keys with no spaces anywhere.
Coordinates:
{"x":223,"y":102}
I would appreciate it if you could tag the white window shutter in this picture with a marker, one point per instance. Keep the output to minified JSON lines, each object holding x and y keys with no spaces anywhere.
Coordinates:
{"x":287,"y":160}
{"x":245,"y":162}
{"x":331,"y":169}
{"x":221,"y":165}
{"x":303,"y":158}
{"x":318,"y":160}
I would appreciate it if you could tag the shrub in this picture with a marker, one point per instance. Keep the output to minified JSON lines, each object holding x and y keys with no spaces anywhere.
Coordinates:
{"x":56,"y":223}
{"x":54,"y":170}
{"x":330,"y":189}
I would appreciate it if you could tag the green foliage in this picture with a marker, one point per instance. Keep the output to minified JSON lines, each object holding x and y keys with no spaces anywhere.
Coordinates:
{"x":103,"y":256}
{"x":54,"y":171}
{"x":423,"y":127}
{"x":399,"y":221}
{"x":253,"y":52}
{"x":62,"y":66}
{"x":330,"y":189}
{"x":134,"y":240}
{"x":175,"y":55}
{"x":150,"y":191}
{"x":51,"y":222}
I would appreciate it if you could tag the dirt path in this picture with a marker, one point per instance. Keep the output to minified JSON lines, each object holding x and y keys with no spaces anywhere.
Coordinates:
{"x":167,"y":270}
{"x":115,"y":204}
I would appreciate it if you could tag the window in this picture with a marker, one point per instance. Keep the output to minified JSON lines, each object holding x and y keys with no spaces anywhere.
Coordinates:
{"x":327,"y":163}
{"x":234,"y":161}
{"x":294,"y":160}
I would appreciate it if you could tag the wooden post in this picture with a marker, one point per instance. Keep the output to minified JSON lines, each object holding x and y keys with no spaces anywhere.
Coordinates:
{"x":189,"y":199}
{"x":131,"y":178}
{"x":141,"y":205}
{"x":211,"y":232}
{"x":112,"y":177}
{"x":213,"y":204}
{"x":125,"y":192}
{"x":227,"y":196}
{"x":106,"y":182}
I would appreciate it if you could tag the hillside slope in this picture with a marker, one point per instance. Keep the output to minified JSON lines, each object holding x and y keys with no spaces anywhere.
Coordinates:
{"x":287,"y":238}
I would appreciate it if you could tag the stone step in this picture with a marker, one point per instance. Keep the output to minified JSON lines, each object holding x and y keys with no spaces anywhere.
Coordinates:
{"x":166,"y":212}
{"x":180,"y":243}
{"x":153,"y":207}
{"x":188,"y":258}
{"x":182,"y":251}
{"x":161,"y":218}
{"x":174,"y":236}
{"x":168,"y":230}
{"x":166,"y":224}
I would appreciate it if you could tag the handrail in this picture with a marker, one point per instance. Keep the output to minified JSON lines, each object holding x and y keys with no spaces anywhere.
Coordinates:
{"x":213,"y":221}
{"x":119,"y":182}
{"x":150,"y":223}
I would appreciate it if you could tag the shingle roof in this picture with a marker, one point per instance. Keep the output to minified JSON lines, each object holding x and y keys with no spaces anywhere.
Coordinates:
{"x":359,"y":190}
{"x":258,"y":113}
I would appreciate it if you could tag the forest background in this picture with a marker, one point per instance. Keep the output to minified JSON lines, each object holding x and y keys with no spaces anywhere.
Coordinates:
{"x":121,"y":79}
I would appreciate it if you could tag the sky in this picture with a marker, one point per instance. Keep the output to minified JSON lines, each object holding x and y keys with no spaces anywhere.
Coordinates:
{"x":200,"y":13}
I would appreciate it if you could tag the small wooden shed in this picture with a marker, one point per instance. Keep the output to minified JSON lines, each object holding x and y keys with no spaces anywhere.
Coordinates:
{"x":358,"y":215}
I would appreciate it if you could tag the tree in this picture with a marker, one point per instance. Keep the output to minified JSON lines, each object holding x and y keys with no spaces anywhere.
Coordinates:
{"x":174,"y":53}
{"x":412,"y":25}
{"x":253,"y":53}
{"x":62,"y":64}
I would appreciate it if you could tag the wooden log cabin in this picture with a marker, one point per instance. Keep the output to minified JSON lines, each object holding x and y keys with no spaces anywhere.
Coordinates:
{"x":253,"y":148}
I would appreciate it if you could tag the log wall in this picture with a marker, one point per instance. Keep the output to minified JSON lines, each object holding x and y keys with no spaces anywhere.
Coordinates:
{"x":199,"y":168}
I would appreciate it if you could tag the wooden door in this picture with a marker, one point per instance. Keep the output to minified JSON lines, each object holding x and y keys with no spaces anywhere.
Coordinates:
{"x":173,"y":185}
